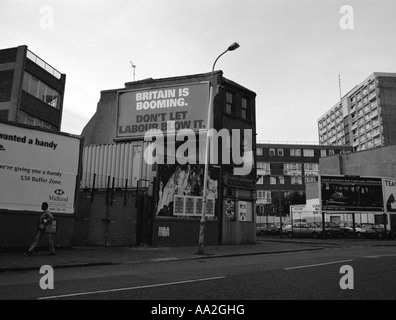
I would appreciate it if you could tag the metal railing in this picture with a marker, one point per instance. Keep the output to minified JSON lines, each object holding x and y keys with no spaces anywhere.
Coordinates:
{"x":41,"y":63}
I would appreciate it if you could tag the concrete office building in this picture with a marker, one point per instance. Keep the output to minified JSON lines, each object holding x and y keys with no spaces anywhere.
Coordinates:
{"x":31,"y":91}
{"x":285,"y":169}
{"x":161,"y":203}
{"x":365,"y":118}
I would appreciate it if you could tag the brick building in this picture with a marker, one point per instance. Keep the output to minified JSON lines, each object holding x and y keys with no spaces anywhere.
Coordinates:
{"x":171,"y":192}
{"x":284,"y":169}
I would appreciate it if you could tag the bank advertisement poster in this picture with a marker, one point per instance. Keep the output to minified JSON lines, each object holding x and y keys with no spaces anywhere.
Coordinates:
{"x":351,"y":194}
{"x":180,"y":191}
{"x":389,"y":186}
{"x":35,"y":167}
{"x":165,"y":108}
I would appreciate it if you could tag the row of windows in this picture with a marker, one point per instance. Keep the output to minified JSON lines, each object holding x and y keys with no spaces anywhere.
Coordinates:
{"x":41,"y":90}
{"x":289,"y":166}
{"x":365,"y":91}
{"x":32,"y":121}
{"x":293,"y":180}
{"x":231,"y":108}
{"x":295,"y":152}
{"x":267,"y":195}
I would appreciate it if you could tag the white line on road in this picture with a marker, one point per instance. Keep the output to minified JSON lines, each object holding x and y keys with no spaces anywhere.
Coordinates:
{"x":131,"y":288}
{"x":318,"y":265}
{"x":380,"y":256}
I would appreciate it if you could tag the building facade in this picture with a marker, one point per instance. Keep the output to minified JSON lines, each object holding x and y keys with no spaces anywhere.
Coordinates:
{"x":31,"y":91}
{"x":368,"y":163}
{"x":169,"y":193}
{"x":365,"y":117}
{"x":283,"y":170}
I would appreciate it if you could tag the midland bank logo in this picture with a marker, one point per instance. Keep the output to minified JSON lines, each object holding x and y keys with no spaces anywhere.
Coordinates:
{"x":59,"y":192}
{"x":236,"y":147}
{"x":58,"y":196}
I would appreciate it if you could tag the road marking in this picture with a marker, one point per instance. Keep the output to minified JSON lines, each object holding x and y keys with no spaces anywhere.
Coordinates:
{"x":130,"y":288}
{"x":318,"y":265}
{"x":380,"y":256}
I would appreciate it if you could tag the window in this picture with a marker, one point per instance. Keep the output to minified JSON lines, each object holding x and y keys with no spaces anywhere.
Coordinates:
{"x":280,"y":152}
{"x":245,"y":112}
{"x":292,"y":169}
{"x":26,"y":82}
{"x":309,"y":153}
{"x":323,"y":153}
{"x":34,"y":84}
{"x":281,"y":180}
{"x":259,"y":151}
{"x":263,"y":197}
{"x":296,"y":180}
{"x":311,"y":167}
{"x":292,"y":166}
{"x":260,"y":180}
{"x":295,"y":152}
{"x":263,"y":165}
{"x":272,"y":180}
{"x":272,"y":152}
{"x":229,"y":102}
{"x":263,"y":168}
{"x":311,"y":179}
{"x":331,"y":152}
{"x":40,"y":90}
{"x":32,"y":121}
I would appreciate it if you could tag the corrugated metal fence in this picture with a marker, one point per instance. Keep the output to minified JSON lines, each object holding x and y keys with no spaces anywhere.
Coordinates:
{"x":122,"y":162}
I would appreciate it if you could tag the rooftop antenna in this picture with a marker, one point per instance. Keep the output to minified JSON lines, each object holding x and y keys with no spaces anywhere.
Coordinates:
{"x":339,"y":84}
{"x":134,"y":70}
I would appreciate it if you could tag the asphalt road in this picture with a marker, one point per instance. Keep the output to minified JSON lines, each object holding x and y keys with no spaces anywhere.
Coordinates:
{"x":310,"y":275}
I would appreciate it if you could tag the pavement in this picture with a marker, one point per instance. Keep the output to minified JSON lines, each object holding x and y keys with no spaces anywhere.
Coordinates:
{"x":102,"y":256}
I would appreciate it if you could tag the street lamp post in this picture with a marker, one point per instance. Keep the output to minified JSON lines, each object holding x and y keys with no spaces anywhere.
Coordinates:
{"x":280,"y":206}
{"x":277,"y":178}
{"x":232,"y":47}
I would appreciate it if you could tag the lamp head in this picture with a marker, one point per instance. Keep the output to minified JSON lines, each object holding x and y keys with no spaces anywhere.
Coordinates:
{"x":233,"y":47}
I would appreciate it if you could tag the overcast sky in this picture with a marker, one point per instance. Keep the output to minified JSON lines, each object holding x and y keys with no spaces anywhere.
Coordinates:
{"x":291,"y":50}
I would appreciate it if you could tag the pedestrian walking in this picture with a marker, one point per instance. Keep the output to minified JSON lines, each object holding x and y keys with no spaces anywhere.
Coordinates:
{"x":45,"y":221}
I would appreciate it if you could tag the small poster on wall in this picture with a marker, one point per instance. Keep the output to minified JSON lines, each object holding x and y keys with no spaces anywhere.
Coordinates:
{"x":210,"y":206}
{"x":198,"y":206}
{"x":244,"y":211}
{"x":229,"y":210}
{"x":179,"y":205}
{"x":189,"y":206}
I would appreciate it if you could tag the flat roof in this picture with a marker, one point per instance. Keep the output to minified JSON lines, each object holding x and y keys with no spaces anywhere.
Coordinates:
{"x":357,"y":87}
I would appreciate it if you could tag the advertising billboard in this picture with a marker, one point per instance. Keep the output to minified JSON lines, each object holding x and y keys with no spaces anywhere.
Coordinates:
{"x":37,"y":166}
{"x":165,"y":108}
{"x":389,"y":185}
{"x":351,"y":194}
{"x":180,"y":192}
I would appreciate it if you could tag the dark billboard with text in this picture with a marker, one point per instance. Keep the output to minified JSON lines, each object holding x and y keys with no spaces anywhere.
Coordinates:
{"x":351,"y":194}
